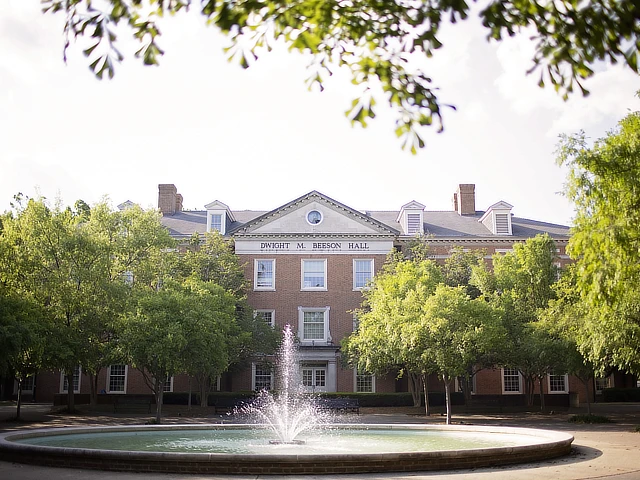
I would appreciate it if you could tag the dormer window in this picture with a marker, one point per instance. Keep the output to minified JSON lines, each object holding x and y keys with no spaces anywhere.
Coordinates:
{"x":215,"y":223}
{"x":411,"y":218}
{"x":497,"y":218}
{"x":219,"y":217}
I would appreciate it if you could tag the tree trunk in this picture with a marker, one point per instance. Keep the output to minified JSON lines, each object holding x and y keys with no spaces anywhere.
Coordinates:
{"x":586,"y":391}
{"x":425,"y":387}
{"x":528,"y":389}
{"x":93,"y":395}
{"x":204,"y":391}
{"x":414,"y":387}
{"x":19,"y":404}
{"x":71,"y":401}
{"x":158,"y":391}
{"x":447,"y":394}
{"x":189,"y":399}
{"x":542,"y":405}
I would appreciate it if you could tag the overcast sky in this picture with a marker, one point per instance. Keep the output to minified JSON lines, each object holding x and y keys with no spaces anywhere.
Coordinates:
{"x":256,"y":139}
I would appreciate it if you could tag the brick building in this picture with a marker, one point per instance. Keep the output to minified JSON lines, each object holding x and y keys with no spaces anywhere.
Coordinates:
{"x":307,"y":262}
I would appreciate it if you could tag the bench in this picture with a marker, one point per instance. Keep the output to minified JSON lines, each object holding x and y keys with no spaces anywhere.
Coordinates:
{"x":341,"y":405}
{"x":132,"y":405}
{"x":228,"y":405}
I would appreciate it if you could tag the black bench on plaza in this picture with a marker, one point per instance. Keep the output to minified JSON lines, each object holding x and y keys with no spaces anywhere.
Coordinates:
{"x":132,"y":404}
{"x":228,"y":405}
{"x":341,"y":405}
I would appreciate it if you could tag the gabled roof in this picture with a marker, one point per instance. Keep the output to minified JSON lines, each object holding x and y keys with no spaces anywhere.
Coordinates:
{"x":501,"y":205}
{"x":314,"y":195}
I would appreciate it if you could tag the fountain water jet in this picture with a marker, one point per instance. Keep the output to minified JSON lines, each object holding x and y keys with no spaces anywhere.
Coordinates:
{"x":290,"y":411}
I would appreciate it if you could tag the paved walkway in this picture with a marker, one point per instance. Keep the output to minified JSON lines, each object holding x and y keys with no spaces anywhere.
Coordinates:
{"x":604,"y":451}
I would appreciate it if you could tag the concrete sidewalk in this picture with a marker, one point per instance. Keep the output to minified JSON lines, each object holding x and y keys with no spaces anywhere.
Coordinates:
{"x":602,"y":451}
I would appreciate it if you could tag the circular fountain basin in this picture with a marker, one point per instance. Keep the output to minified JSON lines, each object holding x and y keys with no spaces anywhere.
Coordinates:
{"x":245,"y":449}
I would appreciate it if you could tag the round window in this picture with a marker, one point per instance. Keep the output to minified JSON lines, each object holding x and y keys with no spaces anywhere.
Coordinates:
{"x":314,"y":217}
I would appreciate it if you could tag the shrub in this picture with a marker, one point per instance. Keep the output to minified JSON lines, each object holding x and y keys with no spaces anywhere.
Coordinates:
{"x":621,"y":395}
{"x":589,"y":419}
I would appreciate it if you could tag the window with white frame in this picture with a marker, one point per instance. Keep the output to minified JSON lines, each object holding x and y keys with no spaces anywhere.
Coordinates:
{"x":511,"y":382}
{"x":64,"y":385}
{"x":117,"y":379}
{"x":264,"y":278}
{"x":365,"y":382}
{"x":216,"y":223}
{"x":268,"y":316}
{"x":168,"y":385}
{"x":314,"y":377}
{"x":362,"y":273}
{"x":262,"y":376}
{"x":558,"y":383}
{"x":314,"y":274}
{"x":314,"y":325}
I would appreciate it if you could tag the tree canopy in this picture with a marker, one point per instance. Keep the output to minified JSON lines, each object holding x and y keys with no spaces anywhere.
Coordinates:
{"x":380,"y":42}
{"x":604,"y":185}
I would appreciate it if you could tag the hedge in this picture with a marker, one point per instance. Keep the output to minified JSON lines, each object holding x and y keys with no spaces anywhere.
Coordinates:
{"x":621,"y":395}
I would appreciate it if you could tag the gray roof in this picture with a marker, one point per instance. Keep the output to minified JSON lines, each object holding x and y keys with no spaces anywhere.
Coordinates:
{"x":437,"y":223}
{"x":451,"y":224}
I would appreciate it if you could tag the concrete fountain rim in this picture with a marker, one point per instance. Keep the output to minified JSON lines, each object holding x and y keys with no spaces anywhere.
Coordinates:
{"x":553,"y":444}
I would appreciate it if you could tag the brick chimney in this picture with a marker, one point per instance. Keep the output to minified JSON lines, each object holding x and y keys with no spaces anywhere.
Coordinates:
{"x":465,"y":199}
{"x":169,"y":200}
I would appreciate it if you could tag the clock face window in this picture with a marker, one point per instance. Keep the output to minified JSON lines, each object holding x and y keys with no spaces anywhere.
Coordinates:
{"x":314,"y":217}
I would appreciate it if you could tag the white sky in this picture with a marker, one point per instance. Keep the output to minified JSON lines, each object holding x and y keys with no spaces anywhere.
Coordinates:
{"x":256,"y":139}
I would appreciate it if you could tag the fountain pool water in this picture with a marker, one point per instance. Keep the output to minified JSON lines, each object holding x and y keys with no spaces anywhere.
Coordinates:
{"x":292,"y":437}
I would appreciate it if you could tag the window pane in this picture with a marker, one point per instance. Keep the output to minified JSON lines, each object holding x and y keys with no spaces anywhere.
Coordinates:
{"x":313,"y":326}
{"x":116,"y":378}
{"x":264,"y":274}
{"x":363,"y":273}
{"x":76,"y":380}
{"x":263,"y":377}
{"x":511,"y":380}
{"x":266,"y":315}
{"x":557,"y":383}
{"x":364,"y":383}
{"x":216,"y":223}
{"x":313,"y":273}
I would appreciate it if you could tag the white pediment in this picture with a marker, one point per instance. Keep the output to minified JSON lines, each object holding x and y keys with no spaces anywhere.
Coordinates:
{"x":335,"y":219}
{"x":501,"y":205}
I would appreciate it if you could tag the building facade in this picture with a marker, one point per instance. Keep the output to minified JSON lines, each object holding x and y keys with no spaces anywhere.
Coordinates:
{"x":307,"y":263}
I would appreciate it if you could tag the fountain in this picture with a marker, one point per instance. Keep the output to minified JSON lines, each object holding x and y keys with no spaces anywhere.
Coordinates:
{"x":290,"y":435}
{"x":291,"y":411}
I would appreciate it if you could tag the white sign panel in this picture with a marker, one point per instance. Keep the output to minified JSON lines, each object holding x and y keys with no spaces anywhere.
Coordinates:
{"x":306,"y":247}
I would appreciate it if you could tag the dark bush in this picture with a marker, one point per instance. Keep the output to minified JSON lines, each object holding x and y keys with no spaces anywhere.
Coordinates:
{"x":621,"y":395}
{"x":179,"y":398}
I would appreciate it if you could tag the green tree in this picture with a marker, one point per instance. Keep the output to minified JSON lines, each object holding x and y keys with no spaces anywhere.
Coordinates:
{"x":175,"y":329}
{"x":23,"y":334}
{"x":452,"y":332}
{"x":377,"y":345}
{"x":521,"y":286}
{"x":212,"y":260}
{"x":604,"y":185}
{"x":383,"y":43}
{"x":75,"y":265}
